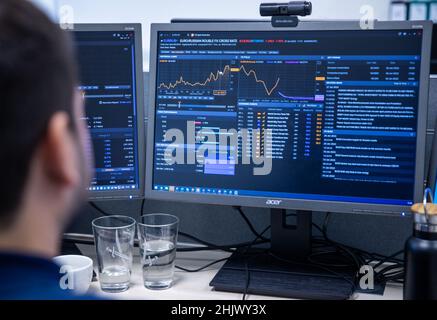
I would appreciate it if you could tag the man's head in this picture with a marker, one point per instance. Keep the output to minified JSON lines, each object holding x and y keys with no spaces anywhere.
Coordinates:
{"x":42,"y":162}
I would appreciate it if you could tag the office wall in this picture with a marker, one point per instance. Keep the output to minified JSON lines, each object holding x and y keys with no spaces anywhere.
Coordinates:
{"x":221,"y":224}
{"x":153,"y":11}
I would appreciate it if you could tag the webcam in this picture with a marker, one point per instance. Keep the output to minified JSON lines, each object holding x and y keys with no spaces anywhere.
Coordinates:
{"x":285,"y":14}
{"x":293,"y":8}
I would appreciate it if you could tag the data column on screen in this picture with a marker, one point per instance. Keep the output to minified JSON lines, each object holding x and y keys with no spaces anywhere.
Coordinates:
{"x":369,"y":120}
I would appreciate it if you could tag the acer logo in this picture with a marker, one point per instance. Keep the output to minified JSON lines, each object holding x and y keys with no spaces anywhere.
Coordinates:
{"x":273,"y":202}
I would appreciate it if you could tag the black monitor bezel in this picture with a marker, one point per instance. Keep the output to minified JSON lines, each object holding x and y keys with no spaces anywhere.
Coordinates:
{"x":288,"y":203}
{"x":140,"y":109}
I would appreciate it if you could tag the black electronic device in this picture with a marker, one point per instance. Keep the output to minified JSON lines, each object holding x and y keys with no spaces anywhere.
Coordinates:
{"x":111,"y":79}
{"x":285,"y":14}
{"x":310,"y":84}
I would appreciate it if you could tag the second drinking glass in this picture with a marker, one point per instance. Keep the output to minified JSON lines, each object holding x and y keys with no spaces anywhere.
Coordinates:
{"x":158,"y":238}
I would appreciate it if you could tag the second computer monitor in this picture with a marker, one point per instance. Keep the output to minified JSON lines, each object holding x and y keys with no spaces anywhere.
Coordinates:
{"x":111,"y":79}
{"x":345,"y":109}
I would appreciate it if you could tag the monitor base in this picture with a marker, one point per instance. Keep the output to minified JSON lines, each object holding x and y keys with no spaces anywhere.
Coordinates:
{"x":271,"y":275}
{"x":283,"y":270}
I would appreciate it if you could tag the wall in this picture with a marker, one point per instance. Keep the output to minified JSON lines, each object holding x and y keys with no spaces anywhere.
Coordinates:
{"x":222,"y":224}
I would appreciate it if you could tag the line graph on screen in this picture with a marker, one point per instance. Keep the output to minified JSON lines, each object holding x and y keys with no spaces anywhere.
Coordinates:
{"x":270,"y":81}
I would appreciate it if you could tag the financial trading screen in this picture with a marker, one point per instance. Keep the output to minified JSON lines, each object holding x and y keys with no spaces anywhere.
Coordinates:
{"x":107,"y":75}
{"x":341,"y":107}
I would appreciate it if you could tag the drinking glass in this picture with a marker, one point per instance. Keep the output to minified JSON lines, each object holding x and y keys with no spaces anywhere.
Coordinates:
{"x":157,"y":235}
{"x":114,"y":239}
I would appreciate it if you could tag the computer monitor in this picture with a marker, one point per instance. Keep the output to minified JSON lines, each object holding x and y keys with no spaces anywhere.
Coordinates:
{"x":111,"y":78}
{"x":346,"y":108}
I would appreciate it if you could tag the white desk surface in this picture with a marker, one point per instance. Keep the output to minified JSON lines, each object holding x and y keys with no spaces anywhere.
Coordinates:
{"x":195,"y":286}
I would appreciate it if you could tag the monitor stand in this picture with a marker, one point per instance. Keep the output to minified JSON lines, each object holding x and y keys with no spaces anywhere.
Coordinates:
{"x":283,"y":270}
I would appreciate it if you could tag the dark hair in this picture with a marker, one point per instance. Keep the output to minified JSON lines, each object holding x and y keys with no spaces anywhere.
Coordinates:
{"x":37,"y":79}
